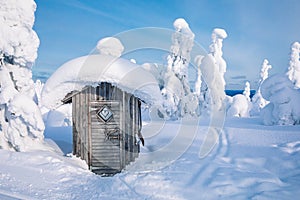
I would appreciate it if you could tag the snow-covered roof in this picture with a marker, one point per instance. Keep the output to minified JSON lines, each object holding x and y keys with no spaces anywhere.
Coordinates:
{"x":93,"y":69}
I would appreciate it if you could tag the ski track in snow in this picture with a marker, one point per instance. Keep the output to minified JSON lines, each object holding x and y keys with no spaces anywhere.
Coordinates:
{"x":246,"y":163}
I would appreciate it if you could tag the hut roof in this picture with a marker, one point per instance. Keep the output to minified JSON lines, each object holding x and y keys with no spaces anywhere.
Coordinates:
{"x":90,"y":70}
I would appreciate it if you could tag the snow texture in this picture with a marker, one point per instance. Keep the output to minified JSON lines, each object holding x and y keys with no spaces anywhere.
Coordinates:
{"x":283,"y":108}
{"x":258,"y":102}
{"x":18,"y":40}
{"x":110,"y":46}
{"x":93,"y":69}
{"x":60,"y":117}
{"x":250,"y":161}
{"x":21,"y":125}
{"x":294,"y":67}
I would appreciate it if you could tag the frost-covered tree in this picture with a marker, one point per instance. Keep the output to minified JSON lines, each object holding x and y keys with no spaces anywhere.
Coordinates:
{"x":21,"y":125}
{"x":177,"y":93}
{"x":240,"y":105}
{"x":283,"y":108}
{"x":258,"y":102}
{"x":283,"y":94}
{"x":213,"y":68}
{"x":293,"y":72}
{"x":218,"y":35}
{"x":198,"y":83}
{"x":247,"y":92}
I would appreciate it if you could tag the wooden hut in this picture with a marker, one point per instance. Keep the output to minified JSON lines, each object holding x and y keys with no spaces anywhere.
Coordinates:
{"x":106,"y":100}
{"x":106,"y":127}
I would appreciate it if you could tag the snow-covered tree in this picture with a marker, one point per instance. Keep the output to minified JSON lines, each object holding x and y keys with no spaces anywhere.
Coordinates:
{"x":247,"y":92}
{"x":258,"y":102}
{"x":177,"y":93}
{"x":283,"y":108}
{"x":283,"y":94}
{"x":198,"y":61}
{"x":240,"y":105}
{"x":293,"y":72}
{"x":218,"y":35}
{"x":21,"y":125}
{"x":213,"y":67}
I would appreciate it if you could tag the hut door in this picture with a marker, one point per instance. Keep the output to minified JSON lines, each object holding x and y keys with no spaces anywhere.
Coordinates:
{"x":106,"y":136}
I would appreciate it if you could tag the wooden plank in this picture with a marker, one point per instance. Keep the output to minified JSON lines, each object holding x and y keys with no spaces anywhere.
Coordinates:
{"x":81,"y":126}
{"x":77,"y":114}
{"x":90,"y":96}
{"x":119,"y":97}
{"x":106,"y":164}
{"x":133,"y":128}
{"x":87,"y":122}
{"x":75,"y":133}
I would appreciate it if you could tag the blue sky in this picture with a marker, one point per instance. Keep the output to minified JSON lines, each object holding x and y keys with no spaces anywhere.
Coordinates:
{"x":257,"y":29}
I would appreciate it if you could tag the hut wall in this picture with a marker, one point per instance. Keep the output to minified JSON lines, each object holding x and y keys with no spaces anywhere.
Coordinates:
{"x":107,"y":145}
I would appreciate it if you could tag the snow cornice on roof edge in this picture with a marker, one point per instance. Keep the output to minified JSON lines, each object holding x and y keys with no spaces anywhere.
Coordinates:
{"x":91,"y":70}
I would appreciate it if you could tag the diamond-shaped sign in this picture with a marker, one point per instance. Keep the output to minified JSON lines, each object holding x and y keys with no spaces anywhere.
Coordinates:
{"x":105,"y":113}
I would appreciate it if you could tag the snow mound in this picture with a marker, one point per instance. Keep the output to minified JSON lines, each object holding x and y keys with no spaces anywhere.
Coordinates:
{"x":110,"y":46}
{"x":93,"y":69}
{"x":283,"y":108}
{"x":16,"y":34}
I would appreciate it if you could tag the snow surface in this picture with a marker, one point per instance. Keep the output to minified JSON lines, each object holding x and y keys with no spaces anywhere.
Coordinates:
{"x":93,"y":69}
{"x":250,"y":161}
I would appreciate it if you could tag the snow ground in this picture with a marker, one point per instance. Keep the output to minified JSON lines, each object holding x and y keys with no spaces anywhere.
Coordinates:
{"x":250,"y":161}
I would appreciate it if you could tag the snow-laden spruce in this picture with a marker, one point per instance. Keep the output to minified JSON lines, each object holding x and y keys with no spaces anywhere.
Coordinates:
{"x":93,"y":69}
{"x":240,"y":104}
{"x":258,"y":102}
{"x":213,"y":67}
{"x":21,"y":125}
{"x":283,"y":108}
{"x":293,"y":72}
{"x":283,"y":93}
{"x":178,"y":99}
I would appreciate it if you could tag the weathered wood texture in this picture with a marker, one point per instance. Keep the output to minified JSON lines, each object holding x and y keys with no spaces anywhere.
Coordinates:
{"x":106,"y":122}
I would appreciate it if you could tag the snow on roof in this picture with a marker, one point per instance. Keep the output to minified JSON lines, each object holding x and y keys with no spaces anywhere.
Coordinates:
{"x":110,"y":46}
{"x":93,"y":69}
